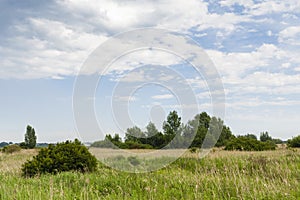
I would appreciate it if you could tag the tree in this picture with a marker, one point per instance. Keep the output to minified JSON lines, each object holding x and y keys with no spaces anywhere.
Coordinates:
{"x":249,"y":135}
{"x":171,"y":126}
{"x":134,"y":134}
{"x":225,"y":136}
{"x":151,"y":130}
{"x":264,"y":136}
{"x":30,"y":137}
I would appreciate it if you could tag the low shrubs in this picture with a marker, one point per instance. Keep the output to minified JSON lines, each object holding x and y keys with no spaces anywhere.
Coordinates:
{"x":65,"y":156}
{"x":244,"y":143}
{"x":11,"y":148}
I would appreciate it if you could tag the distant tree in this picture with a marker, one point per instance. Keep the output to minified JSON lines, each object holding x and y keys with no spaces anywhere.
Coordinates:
{"x":151,"y":130}
{"x":249,"y":136}
{"x":226,"y":135}
{"x":30,"y":137}
{"x":3,"y":144}
{"x":204,"y":119}
{"x":214,"y":132}
{"x":134,"y":134}
{"x":171,"y":126}
{"x":264,"y":136}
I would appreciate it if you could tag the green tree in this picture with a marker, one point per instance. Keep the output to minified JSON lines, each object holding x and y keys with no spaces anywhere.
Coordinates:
{"x":264,"y":136}
{"x":151,"y":130}
{"x":30,"y":137}
{"x":171,"y":126}
{"x":225,"y":136}
{"x":134,"y":134}
{"x":249,"y":135}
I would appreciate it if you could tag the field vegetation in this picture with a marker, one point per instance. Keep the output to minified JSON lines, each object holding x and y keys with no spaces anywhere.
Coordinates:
{"x":219,"y":175}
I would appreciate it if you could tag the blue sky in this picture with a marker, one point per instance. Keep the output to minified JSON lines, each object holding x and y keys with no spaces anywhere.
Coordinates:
{"x":254,"y":45}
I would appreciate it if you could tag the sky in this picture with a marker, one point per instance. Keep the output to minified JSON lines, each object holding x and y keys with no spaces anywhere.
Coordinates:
{"x":254,"y":46}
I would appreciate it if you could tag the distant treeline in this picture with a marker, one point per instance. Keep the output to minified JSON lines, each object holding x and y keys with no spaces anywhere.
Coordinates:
{"x":202,"y":131}
{"x":38,"y":145}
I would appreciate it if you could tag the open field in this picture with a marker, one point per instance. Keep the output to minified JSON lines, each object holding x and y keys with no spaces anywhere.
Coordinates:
{"x":220,"y":175}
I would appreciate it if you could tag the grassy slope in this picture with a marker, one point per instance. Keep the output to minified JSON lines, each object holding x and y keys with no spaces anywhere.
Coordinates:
{"x":221,"y":175}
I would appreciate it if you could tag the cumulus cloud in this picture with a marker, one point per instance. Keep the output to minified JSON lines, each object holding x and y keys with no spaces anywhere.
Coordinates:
{"x":290,"y":35}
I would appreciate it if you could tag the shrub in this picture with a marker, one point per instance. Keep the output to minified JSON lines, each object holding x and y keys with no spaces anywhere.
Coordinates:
{"x":294,"y":142}
{"x":11,"y":148}
{"x":245,"y":143}
{"x":65,"y":156}
{"x":135,"y":145}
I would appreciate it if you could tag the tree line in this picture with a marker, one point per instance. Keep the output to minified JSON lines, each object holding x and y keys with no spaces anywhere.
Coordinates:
{"x":202,"y":131}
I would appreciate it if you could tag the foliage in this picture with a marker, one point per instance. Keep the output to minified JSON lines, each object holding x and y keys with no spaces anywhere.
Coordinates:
{"x":134,"y":134}
{"x":3,"y":144}
{"x":264,"y":136}
{"x":23,"y":145}
{"x":175,"y":135}
{"x":171,"y":126}
{"x":249,"y":135}
{"x":65,"y":156}
{"x":294,"y":142}
{"x":30,"y":137}
{"x":11,"y":148}
{"x":245,"y":143}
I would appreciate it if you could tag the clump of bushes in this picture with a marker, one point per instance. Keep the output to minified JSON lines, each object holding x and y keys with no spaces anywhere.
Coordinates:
{"x":11,"y":148}
{"x":65,"y":156}
{"x":294,"y":142}
{"x":244,"y":143}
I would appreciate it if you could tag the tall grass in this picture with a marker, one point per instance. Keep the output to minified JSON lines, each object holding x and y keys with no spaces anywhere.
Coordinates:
{"x":220,"y":175}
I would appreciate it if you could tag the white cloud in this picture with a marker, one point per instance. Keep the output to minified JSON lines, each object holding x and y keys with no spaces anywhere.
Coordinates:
{"x":265,"y":7}
{"x":162,"y":96}
{"x":290,"y":35}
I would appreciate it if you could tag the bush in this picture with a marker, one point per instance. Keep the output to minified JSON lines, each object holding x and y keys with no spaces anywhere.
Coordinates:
{"x":65,"y":156}
{"x":294,"y":142}
{"x":244,"y":143}
{"x":135,"y":145}
{"x":11,"y":148}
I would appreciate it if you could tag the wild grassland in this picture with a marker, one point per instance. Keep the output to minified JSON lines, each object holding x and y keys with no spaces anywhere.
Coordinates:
{"x":220,"y":175}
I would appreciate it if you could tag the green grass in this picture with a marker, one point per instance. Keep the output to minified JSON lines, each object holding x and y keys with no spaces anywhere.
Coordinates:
{"x":220,"y":175}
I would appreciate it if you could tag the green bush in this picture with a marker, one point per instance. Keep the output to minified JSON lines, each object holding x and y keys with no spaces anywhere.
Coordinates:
{"x":11,"y":148}
{"x":245,"y":143}
{"x":65,"y":156}
{"x":294,"y":142}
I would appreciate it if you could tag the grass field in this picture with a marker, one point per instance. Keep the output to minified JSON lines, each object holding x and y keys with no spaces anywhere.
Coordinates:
{"x":220,"y":175}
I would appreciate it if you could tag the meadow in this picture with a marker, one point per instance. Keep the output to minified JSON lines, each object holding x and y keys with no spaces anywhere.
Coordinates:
{"x":219,"y":175}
